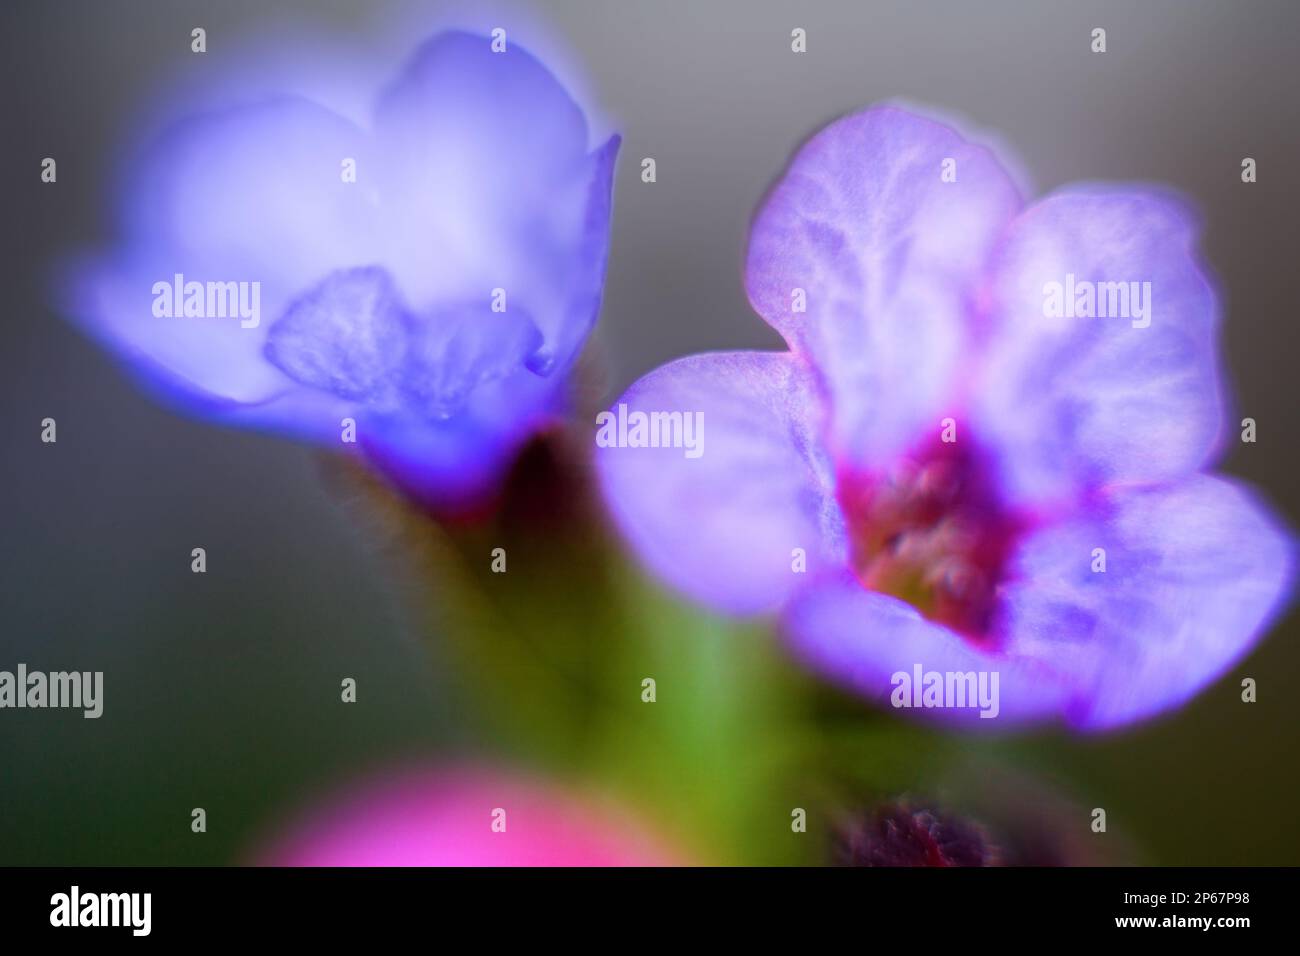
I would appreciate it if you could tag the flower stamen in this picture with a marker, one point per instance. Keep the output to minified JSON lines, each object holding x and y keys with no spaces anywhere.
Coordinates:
{"x":932,"y":532}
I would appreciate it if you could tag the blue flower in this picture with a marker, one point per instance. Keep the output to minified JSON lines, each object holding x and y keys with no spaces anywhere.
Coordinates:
{"x":430,"y":278}
{"x":967,"y":464}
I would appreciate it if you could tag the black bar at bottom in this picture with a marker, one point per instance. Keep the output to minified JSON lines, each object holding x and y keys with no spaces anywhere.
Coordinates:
{"x":217,"y":905}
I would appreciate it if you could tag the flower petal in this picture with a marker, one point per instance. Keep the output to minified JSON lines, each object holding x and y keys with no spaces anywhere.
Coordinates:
{"x":252,"y":195}
{"x":578,"y":280}
{"x":487,"y":184}
{"x":1074,"y":403}
{"x":863,"y":639}
{"x":889,"y":256}
{"x":464,"y":114}
{"x":722,"y":527}
{"x":1193,"y":573}
{"x":464,"y":817}
{"x":253,"y":192}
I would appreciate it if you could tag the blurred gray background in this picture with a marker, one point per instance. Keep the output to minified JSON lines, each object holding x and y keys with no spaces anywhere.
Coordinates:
{"x":222,"y":690}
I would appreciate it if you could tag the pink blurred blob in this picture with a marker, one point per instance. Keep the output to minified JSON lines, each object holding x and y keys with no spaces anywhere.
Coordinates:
{"x":445,"y":817}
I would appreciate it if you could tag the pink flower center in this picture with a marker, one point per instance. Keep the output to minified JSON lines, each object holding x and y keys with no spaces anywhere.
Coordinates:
{"x":933,"y":532}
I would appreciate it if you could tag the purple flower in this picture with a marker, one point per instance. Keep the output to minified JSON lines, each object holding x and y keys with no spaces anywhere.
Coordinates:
{"x":430,"y":277}
{"x":955,"y":472}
